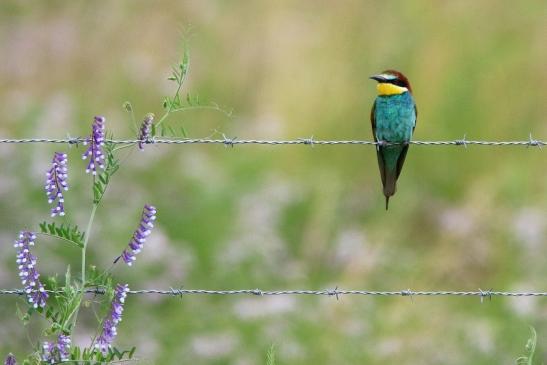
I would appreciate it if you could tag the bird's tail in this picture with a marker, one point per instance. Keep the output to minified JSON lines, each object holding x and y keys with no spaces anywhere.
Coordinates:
{"x":390,"y":161}
{"x":390,"y":185}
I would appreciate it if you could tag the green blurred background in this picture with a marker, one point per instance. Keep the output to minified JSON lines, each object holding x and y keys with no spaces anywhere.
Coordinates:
{"x":291,"y":217}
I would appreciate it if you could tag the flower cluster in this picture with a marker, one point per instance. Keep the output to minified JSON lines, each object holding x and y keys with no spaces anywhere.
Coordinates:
{"x":139,"y":237}
{"x":94,"y":151}
{"x":109,"y":331}
{"x":36,"y":293}
{"x":146,"y":130}
{"x":53,"y":353}
{"x":56,"y":182}
{"x":10,"y":360}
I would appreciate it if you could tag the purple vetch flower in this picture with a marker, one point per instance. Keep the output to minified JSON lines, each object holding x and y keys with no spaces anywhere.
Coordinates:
{"x":139,"y":237}
{"x":56,"y":182}
{"x":94,"y":151}
{"x":47,"y":352}
{"x":34,"y":289}
{"x":39,"y":296}
{"x":63,"y":345}
{"x":10,"y":360}
{"x":55,"y":352}
{"x":146,"y":130}
{"x":109,"y":332}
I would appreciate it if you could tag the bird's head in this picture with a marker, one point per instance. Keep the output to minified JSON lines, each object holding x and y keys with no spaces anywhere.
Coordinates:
{"x":391,"y":82}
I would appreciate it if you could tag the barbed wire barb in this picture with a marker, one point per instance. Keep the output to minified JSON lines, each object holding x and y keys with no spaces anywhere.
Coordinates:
{"x":485,"y":294}
{"x":228,"y":142}
{"x":333,"y":293}
{"x":534,"y":142}
{"x":307,"y":141}
{"x":408,"y":293}
{"x":463,"y":141}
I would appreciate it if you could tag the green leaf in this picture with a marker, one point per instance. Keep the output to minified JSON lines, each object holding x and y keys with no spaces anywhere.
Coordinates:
{"x":52,"y":314}
{"x":175,"y":74}
{"x":111,"y":166}
{"x":75,"y":353}
{"x":66,"y":232}
{"x":270,"y":355}
{"x":185,"y":64}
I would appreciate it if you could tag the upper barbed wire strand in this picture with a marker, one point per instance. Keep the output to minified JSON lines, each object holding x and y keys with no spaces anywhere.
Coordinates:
{"x":327,"y":292}
{"x":299,"y":141}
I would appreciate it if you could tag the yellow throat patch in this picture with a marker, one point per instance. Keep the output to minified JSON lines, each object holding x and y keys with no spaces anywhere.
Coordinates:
{"x":390,"y":89}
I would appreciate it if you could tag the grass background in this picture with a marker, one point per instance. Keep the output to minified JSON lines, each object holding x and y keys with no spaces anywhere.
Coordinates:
{"x":291,"y":217}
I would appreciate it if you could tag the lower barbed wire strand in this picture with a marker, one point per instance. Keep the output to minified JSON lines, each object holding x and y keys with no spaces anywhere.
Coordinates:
{"x":300,"y":141}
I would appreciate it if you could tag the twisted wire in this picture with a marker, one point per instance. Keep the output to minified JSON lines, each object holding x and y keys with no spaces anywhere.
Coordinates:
{"x":230,"y":142}
{"x":336,"y":292}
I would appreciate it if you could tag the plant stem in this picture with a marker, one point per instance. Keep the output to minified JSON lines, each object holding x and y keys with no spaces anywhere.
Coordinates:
{"x":86,"y":240}
{"x":168,"y":111}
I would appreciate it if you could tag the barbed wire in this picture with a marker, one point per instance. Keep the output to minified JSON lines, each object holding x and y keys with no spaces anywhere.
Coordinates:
{"x":336,"y":292}
{"x":231,"y":142}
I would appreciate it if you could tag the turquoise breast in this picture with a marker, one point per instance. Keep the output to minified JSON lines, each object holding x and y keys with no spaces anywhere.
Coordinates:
{"x":395,"y":117}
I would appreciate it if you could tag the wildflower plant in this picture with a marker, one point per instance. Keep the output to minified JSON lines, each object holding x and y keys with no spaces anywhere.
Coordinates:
{"x":60,"y":301}
{"x":109,"y":330}
{"x":30,"y":278}
{"x":54,"y":352}
{"x":139,"y":237}
{"x":96,"y":142}
{"x":56,"y":182}
{"x":145,"y":132}
{"x":10,"y":360}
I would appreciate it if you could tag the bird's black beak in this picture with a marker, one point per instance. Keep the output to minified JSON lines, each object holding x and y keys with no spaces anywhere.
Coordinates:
{"x":378,"y":78}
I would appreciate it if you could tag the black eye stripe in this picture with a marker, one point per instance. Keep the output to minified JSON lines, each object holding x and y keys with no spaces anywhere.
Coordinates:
{"x":393,"y":80}
{"x":397,"y":82}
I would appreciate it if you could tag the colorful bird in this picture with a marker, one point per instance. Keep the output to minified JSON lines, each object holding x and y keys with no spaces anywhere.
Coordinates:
{"x":393,"y":118}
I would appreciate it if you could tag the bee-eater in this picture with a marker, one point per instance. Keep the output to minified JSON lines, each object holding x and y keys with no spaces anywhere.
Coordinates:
{"x":393,"y":118}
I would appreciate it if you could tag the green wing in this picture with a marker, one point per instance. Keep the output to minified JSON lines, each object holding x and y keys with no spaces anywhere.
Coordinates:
{"x":379,"y":154}
{"x":402,"y":156}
